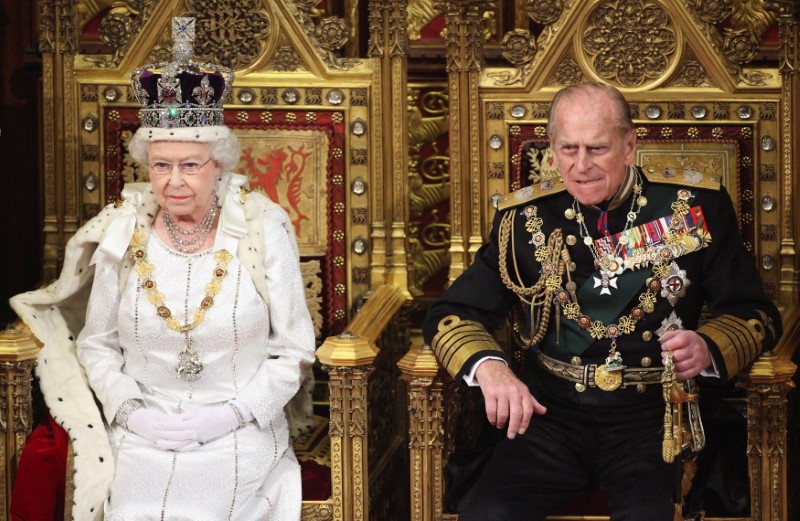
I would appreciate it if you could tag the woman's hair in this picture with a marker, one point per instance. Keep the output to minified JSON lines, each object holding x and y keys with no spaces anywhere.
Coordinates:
{"x":595,"y":89}
{"x":224,"y":150}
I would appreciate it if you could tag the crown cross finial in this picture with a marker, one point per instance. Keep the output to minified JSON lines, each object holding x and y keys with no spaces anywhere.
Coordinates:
{"x":182,"y":39}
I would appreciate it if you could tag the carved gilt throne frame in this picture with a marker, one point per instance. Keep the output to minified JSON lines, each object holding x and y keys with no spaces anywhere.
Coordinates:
{"x":703,"y":96}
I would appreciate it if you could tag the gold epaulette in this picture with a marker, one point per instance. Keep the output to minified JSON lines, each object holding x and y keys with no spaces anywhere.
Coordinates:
{"x":457,"y":340}
{"x":532,"y":193}
{"x":688,"y":179}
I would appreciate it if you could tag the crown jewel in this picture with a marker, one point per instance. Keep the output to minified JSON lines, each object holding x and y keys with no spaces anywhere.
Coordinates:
{"x":184,"y":93}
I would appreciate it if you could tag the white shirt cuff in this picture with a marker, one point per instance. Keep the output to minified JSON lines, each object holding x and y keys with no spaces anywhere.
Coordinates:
{"x":469,"y":378}
{"x":711,"y":373}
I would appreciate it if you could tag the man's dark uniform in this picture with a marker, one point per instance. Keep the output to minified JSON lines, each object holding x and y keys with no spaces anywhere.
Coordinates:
{"x":603,"y":426}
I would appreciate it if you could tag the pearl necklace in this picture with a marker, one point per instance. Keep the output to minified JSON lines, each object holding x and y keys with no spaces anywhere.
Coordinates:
{"x":189,"y":364}
{"x":198,"y":234}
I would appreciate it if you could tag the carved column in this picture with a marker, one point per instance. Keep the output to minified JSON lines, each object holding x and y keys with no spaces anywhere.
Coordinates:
{"x":58,"y":44}
{"x":17,"y":359}
{"x":767,"y":382}
{"x":389,"y":48}
{"x":348,"y":359}
{"x":789,"y":35}
{"x":425,"y":431}
{"x":464,"y":23}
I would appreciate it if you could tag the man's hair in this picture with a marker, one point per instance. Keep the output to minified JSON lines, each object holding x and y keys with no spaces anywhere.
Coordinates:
{"x":618,"y":101}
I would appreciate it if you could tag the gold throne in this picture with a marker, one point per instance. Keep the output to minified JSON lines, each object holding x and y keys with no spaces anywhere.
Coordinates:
{"x":309,"y":113}
{"x":703,"y":99}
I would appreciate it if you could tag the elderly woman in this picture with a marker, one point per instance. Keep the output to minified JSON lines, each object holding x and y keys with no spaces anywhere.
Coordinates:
{"x":196,"y":330}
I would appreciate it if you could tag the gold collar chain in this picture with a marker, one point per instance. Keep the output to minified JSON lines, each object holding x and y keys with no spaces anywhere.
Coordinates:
{"x":189,"y":366}
{"x":550,"y":290}
{"x":146,"y":270}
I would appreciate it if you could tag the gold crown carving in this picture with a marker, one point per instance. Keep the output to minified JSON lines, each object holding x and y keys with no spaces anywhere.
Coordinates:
{"x":183,"y":93}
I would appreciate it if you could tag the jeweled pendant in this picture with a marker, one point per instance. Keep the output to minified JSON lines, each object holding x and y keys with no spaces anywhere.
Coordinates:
{"x":189,"y":366}
{"x":605,"y":283}
{"x":614,"y":361}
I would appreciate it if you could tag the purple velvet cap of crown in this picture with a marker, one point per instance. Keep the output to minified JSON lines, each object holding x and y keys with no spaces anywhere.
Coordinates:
{"x":188,"y":82}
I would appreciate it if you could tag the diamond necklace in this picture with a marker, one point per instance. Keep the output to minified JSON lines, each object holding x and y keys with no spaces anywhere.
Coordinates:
{"x":610,"y":264}
{"x":196,"y":237}
{"x":189,"y":364}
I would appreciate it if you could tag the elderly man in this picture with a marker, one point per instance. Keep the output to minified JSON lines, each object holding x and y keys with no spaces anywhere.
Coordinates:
{"x":603,"y":272}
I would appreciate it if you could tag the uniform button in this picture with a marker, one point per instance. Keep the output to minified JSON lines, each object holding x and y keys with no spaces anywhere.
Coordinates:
{"x":576,"y":360}
{"x":647,"y":336}
{"x":647,"y":361}
{"x":571,"y":240}
{"x":641,"y":388}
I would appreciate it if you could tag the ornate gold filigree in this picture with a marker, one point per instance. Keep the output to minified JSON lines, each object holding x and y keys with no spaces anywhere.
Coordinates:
{"x":428,"y":251}
{"x":768,"y":381}
{"x":514,"y":50}
{"x":568,"y":72}
{"x":231,"y":32}
{"x":317,"y":512}
{"x":518,"y":47}
{"x":629,"y":42}
{"x":740,"y":45}
{"x":285,"y":58}
{"x":464,"y":36}
{"x":710,"y":11}
{"x":375,"y":18}
{"x":47,"y":26}
{"x":68,"y":31}
{"x":332,"y":33}
{"x":398,"y":20}
{"x":119,"y":28}
{"x":756,"y":16}
{"x":545,"y":11}
{"x":115,"y":29}
{"x":424,"y":196}
{"x":305,"y":11}
{"x":691,"y":73}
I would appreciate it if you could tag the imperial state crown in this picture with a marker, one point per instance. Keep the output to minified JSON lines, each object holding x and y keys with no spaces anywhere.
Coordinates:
{"x":181,"y":93}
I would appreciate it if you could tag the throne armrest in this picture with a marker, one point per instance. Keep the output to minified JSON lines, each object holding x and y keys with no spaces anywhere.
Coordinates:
{"x":18,"y":350}
{"x":349,"y":359}
{"x":768,"y":381}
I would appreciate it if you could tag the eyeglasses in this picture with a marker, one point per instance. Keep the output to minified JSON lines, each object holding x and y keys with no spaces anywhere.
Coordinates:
{"x":186,"y":167}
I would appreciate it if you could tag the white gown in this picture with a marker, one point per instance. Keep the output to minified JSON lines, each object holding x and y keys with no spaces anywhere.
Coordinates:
{"x":253,"y":352}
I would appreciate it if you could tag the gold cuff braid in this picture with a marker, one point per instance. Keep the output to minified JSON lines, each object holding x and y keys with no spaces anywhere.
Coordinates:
{"x":457,"y":340}
{"x":738,"y":340}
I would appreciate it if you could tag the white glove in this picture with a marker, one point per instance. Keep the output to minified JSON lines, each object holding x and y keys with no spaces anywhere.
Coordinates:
{"x":165,"y":430}
{"x":210,"y":423}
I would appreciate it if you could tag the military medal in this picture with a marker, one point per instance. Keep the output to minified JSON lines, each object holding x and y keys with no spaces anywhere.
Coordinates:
{"x":656,"y":243}
{"x":605,"y":283}
{"x":607,"y":257}
{"x":674,"y":285}
{"x":614,"y":359}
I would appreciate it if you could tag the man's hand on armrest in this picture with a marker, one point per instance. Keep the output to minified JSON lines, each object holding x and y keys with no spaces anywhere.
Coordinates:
{"x":507,"y":398}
